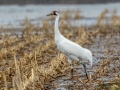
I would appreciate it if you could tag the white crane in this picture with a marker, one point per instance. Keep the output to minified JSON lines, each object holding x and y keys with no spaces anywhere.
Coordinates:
{"x":72,"y":50}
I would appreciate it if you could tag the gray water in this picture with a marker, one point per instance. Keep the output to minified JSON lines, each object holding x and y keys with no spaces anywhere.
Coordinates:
{"x":13,"y":15}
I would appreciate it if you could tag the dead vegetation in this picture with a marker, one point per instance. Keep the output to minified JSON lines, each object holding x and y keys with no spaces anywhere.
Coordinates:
{"x":31,"y":61}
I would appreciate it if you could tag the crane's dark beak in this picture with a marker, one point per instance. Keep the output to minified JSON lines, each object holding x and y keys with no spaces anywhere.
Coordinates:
{"x":50,"y":14}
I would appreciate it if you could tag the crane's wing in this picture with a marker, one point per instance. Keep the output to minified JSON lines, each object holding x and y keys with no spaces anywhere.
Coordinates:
{"x":70,"y":48}
{"x":75,"y":51}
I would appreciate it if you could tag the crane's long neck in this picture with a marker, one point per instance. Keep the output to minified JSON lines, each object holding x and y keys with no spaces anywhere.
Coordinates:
{"x":57,"y":32}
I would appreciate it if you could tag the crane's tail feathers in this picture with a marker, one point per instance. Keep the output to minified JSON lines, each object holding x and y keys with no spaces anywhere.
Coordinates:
{"x":91,"y":62}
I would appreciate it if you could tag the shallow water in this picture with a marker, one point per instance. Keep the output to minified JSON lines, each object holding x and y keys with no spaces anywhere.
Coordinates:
{"x":14,"y":14}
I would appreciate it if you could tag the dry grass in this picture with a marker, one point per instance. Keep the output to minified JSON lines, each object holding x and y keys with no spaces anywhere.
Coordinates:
{"x":31,"y":60}
{"x":77,"y":15}
{"x":102,"y":17}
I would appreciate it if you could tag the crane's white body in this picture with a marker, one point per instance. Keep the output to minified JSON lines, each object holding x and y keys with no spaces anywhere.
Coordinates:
{"x":72,"y":50}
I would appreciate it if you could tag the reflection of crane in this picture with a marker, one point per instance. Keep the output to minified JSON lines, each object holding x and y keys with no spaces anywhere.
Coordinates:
{"x":72,"y":50}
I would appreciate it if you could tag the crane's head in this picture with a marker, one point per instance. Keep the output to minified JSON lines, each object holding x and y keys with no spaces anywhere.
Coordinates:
{"x":53,"y":13}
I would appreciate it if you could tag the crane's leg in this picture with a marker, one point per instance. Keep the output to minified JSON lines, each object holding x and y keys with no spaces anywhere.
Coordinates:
{"x":71,"y":70}
{"x":70,"y":61}
{"x":85,"y":70}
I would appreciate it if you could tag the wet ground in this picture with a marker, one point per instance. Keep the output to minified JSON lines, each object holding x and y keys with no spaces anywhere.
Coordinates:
{"x":104,"y":47}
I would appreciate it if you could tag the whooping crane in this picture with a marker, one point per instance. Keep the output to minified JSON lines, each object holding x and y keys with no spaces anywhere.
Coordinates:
{"x":72,"y":50}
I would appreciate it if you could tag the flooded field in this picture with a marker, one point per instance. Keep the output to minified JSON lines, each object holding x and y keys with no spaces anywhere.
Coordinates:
{"x":30,"y":60}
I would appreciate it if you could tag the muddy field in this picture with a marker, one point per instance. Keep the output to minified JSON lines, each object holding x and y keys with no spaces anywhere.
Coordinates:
{"x":29,"y":59}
